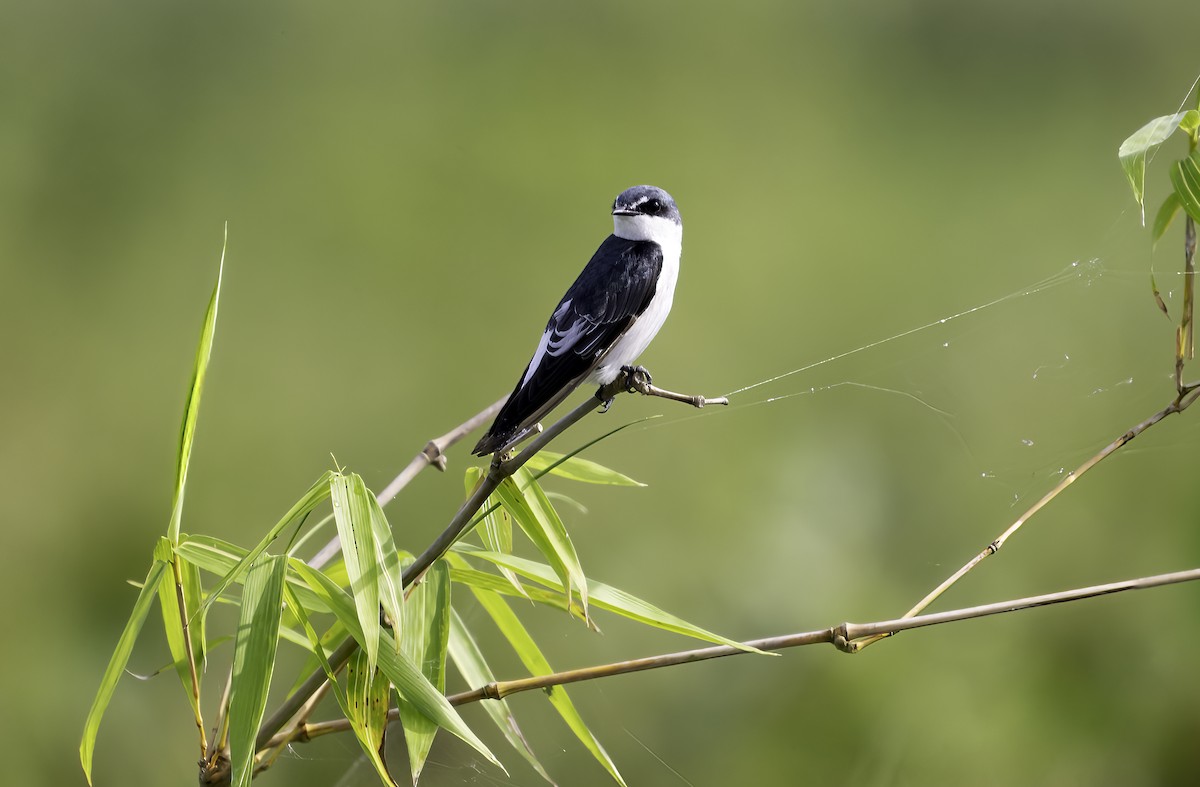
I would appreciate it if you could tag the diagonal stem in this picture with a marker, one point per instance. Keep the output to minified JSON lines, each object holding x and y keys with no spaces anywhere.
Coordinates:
{"x":1186,"y":396}
{"x":500,"y":469}
{"x":840,"y":636}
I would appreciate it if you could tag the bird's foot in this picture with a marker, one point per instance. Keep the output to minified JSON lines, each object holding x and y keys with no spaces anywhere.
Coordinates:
{"x":606,"y":403}
{"x":637,"y":378}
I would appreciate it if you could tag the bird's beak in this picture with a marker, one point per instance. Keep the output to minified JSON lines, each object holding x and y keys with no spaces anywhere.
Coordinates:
{"x":624,"y":212}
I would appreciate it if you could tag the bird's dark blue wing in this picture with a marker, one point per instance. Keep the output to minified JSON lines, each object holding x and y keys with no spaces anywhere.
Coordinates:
{"x":613,"y":289}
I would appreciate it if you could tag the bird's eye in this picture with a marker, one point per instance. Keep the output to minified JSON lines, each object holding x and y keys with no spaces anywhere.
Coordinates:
{"x":653,"y":207}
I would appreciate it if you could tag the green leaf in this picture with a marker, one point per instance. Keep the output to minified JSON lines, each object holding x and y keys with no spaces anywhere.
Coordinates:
{"x":357,"y":535}
{"x":523,"y":497}
{"x":1190,"y":122}
{"x":360,"y":700}
{"x":469,"y":661}
{"x":1185,"y":177}
{"x":368,"y":694}
{"x":191,"y":410}
{"x":303,"y":507}
{"x":1164,"y":217}
{"x":424,"y":631}
{"x":254,"y":661}
{"x":531,"y":656}
{"x":221,"y":558}
{"x":609,"y":598}
{"x":391,"y":577}
{"x":1133,"y":152}
{"x":173,"y":623}
{"x":116,"y":664}
{"x":408,"y":680}
{"x":551,"y":598}
{"x":577,"y":469}
{"x":496,"y":527}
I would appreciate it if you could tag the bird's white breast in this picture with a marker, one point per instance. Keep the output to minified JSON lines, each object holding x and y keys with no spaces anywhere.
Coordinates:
{"x":669,"y":236}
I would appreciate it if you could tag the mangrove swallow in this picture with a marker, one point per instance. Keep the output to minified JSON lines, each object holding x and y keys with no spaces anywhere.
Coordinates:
{"x":606,"y":319}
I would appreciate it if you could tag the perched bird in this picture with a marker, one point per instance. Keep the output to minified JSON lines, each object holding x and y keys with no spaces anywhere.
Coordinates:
{"x":606,"y":319}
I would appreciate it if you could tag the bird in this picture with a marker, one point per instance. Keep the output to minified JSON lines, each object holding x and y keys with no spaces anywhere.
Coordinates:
{"x":605,"y":320}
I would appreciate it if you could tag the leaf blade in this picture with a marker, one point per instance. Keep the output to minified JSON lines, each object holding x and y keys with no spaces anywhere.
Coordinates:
{"x":407,"y":678}
{"x":530,"y":508}
{"x":1185,"y":177}
{"x":425,"y":630}
{"x":116,"y":664}
{"x":531,"y":656}
{"x":578,"y":469}
{"x":191,"y":410}
{"x":301,"y":509}
{"x":469,"y":661}
{"x":1133,"y":151}
{"x":254,"y":661}
{"x":610,"y":598}
{"x":357,"y":535}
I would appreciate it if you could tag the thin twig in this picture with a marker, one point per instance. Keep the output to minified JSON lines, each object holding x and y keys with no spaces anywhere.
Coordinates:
{"x":191,"y":656}
{"x":841,"y":636}
{"x":434,"y":453}
{"x":1182,"y":401}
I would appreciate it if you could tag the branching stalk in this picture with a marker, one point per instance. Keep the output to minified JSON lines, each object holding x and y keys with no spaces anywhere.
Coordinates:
{"x":841,"y":636}
{"x":501,"y":468}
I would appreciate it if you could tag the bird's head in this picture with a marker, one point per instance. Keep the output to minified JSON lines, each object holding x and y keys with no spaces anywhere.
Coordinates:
{"x":646,"y":213}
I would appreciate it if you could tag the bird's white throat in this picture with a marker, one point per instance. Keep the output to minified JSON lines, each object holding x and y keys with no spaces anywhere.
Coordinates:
{"x":662,"y":231}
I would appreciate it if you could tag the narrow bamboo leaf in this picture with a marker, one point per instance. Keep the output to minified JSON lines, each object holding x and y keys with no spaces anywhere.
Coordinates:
{"x":254,"y":661}
{"x":360,"y":703}
{"x":538,"y":595}
{"x":424,"y":631}
{"x":116,"y":664}
{"x":1164,"y":217}
{"x":303,"y":507}
{"x":496,"y":528}
{"x":577,"y":469}
{"x":601,"y":438}
{"x":469,"y":661}
{"x":1133,"y":152}
{"x":1190,"y":121}
{"x":391,"y":578}
{"x":524,"y":499}
{"x":193,"y":600}
{"x":191,"y":410}
{"x":609,"y":598}
{"x":368,"y":693}
{"x":221,"y":558}
{"x":559,"y":497}
{"x":353,"y":517}
{"x":408,"y":680}
{"x":531,"y":656}
{"x":1185,"y":177}
{"x":289,"y":634}
{"x":169,"y":592}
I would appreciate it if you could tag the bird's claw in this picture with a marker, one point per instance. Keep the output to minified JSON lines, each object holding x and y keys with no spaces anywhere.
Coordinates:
{"x":636,"y":378}
{"x":607,"y":403}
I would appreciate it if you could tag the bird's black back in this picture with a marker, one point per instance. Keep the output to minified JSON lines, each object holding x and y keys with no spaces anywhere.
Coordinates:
{"x":613,"y":289}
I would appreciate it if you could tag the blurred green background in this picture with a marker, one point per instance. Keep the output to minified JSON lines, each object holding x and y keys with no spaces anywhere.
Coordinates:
{"x":410,"y":187}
